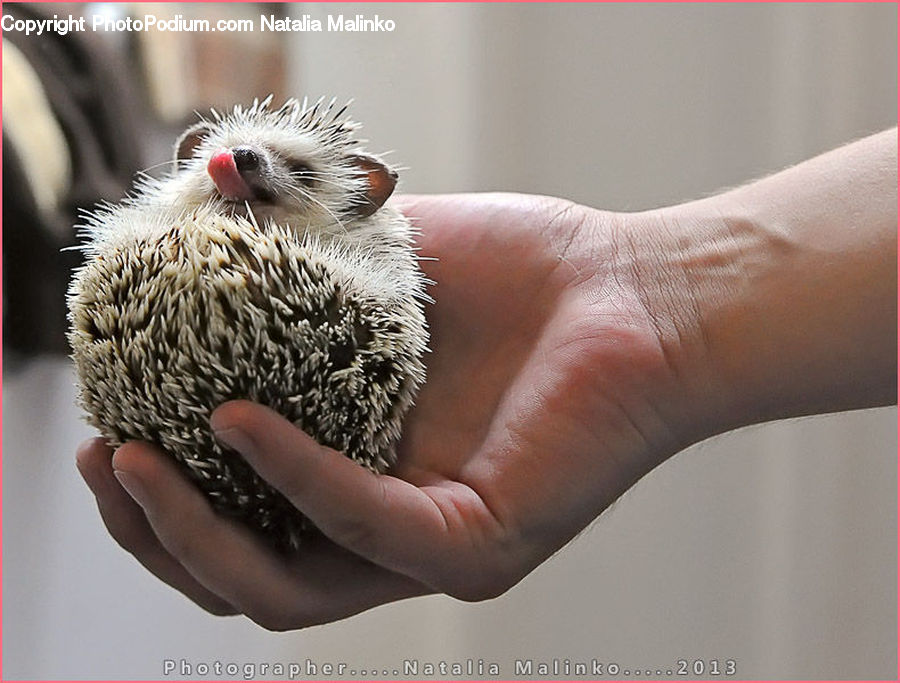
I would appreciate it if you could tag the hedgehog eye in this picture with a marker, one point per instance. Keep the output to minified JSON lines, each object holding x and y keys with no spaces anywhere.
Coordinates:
{"x":301,"y":171}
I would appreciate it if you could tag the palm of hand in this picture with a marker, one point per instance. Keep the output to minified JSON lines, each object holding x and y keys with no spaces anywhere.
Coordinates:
{"x":540,"y":357}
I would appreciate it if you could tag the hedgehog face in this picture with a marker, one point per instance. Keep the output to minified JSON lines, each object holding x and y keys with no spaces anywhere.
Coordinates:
{"x":297,"y":166}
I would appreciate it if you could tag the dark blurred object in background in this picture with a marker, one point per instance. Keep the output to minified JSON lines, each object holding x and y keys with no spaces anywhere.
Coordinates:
{"x":83,"y":112}
{"x":71,"y":123}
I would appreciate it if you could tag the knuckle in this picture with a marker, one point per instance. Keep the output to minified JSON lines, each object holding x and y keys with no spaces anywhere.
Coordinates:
{"x":485,"y":581}
{"x":221,"y":610}
{"x":480,"y":590}
{"x":313,"y":619}
{"x":274,"y":620}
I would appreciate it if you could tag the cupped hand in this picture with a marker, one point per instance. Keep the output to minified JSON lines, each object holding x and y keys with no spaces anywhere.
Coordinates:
{"x":552,"y":387}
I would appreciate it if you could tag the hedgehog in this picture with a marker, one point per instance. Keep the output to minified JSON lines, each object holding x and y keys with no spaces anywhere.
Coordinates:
{"x":264,"y":266}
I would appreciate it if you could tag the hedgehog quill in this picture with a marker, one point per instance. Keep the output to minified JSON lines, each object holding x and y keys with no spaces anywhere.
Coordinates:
{"x":266,"y":266}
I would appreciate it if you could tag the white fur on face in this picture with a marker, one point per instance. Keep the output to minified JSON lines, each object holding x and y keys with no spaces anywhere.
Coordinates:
{"x":317,"y":138}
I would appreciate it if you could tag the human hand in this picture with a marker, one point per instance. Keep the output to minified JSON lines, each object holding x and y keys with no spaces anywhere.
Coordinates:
{"x":574,"y":350}
{"x":537,"y":413}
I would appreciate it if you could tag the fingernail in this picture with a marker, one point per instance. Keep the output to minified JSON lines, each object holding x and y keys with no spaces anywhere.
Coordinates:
{"x":131,"y":483}
{"x":235,"y":439}
{"x":85,"y":448}
{"x":80,"y":457}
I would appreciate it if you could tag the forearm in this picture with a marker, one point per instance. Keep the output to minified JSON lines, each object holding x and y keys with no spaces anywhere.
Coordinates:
{"x":793,"y":288}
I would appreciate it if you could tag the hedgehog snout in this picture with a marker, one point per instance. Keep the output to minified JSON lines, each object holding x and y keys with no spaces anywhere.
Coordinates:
{"x":240,"y":173}
{"x":223,"y":170}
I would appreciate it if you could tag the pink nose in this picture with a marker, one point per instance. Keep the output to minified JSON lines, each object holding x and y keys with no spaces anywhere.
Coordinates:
{"x":224,"y":173}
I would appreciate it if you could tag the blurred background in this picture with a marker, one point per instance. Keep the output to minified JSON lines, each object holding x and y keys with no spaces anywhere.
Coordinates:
{"x":774,"y":546}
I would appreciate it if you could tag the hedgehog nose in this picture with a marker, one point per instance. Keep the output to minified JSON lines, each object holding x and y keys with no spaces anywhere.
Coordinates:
{"x":246,"y":159}
{"x":223,"y":169}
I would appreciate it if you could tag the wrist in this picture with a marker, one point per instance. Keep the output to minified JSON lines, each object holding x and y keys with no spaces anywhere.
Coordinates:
{"x":723,"y":278}
{"x":688,"y":266}
{"x":788,"y":287}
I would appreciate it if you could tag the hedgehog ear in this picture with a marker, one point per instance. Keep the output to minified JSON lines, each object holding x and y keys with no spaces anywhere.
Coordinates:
{"x":190,"y":140}
{"x":379,"y":184}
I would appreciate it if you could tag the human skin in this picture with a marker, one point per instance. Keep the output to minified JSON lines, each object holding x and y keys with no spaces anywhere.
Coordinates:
{"x":573,"y":351}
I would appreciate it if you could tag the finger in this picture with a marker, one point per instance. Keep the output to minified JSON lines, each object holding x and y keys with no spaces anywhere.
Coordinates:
{"x":429,"y":211}
{"x":128,"y":525}
{"x":228,"y":560}
{"x":407,"y":202}
{"x":422,"y":205}
{"x":382,"y":518}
